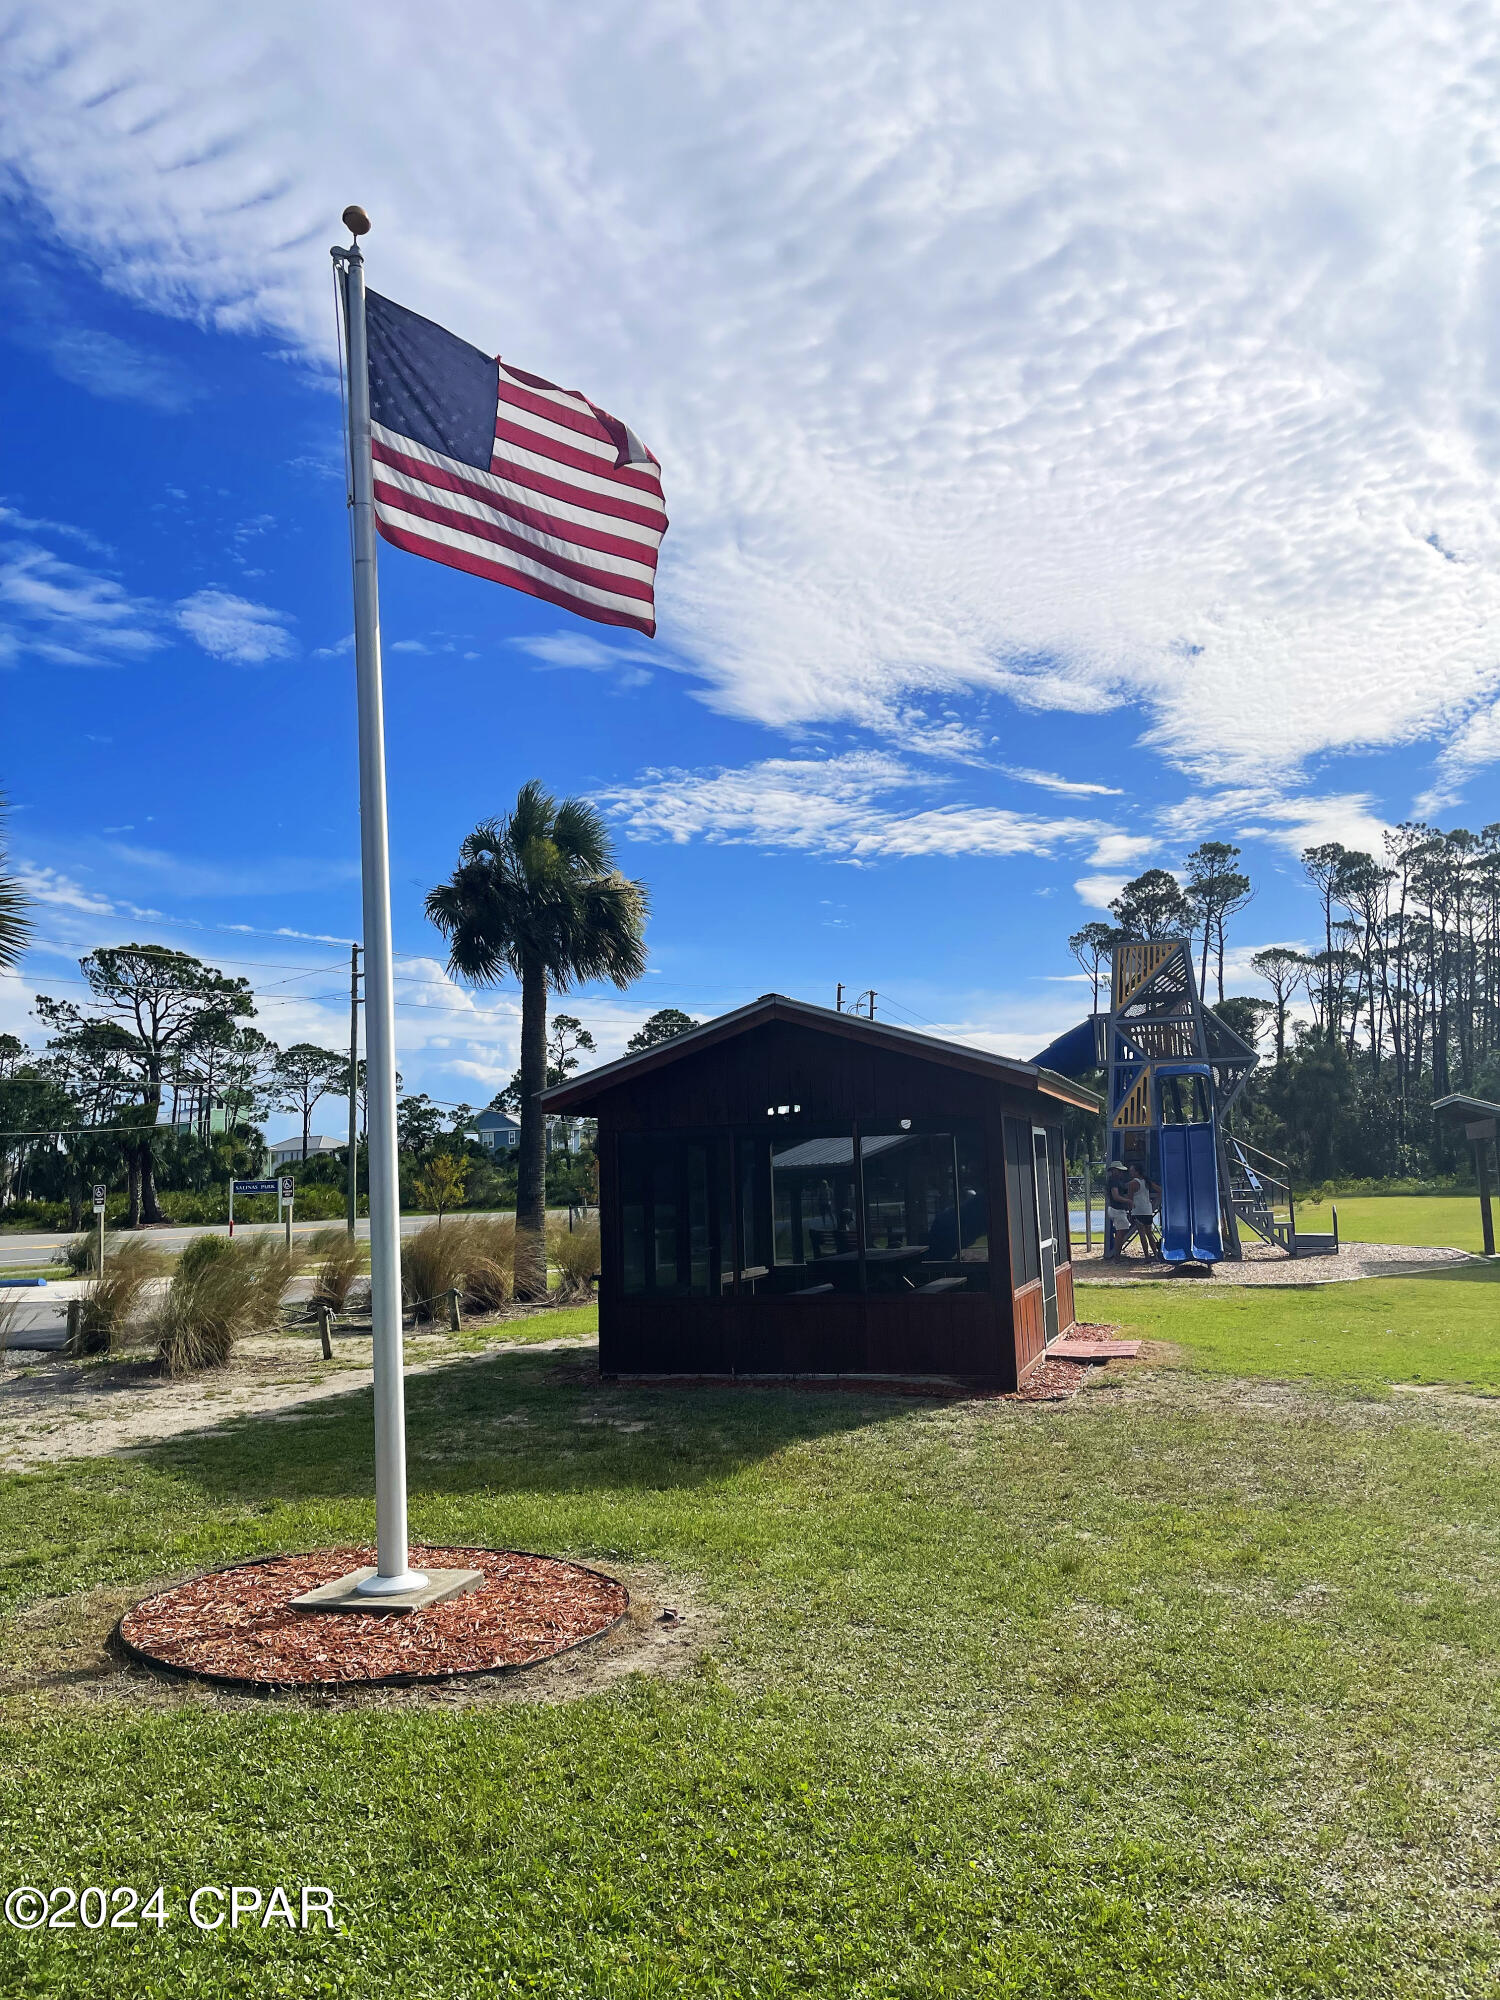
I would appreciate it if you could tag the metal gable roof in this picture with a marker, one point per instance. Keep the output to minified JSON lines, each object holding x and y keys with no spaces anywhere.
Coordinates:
{"x":580,"y":1093}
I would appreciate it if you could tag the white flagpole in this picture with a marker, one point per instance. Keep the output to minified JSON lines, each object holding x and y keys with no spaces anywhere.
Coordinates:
{"x":393,"y":1575}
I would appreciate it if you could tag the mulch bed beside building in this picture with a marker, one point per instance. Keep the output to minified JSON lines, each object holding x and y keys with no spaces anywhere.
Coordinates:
{"x":235,"y":1626}
{"x":1047,"y":1381}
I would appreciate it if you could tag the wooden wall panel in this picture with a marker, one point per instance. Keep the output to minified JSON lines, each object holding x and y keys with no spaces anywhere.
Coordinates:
{"x":1066,"y":1313}
{"x":966,"y":1337}
{"x":1031,"y":1327}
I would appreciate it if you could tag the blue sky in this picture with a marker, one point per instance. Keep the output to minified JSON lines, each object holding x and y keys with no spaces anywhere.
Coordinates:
{"x":1079,"y":440}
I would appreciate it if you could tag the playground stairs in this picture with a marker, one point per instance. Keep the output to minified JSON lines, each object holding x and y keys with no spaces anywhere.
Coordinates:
{"x":1260,"y":1193}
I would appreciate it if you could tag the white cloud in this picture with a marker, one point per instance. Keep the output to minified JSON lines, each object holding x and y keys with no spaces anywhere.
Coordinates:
{"x":591,"y":656}
{"x":1131,"y":355}
{"x":1099,"y":891}
{"x":1120,"y":850}
{"x":55,"y":610}
{"x":49,"y":885}
{"x":1071,"y":787}
{"x":841,"y":806}
{"x":1292,"y":822}
{"x":232,"y":628}
{"x":1475,"y":745}
{"x":38,"y":316}
{"x":25,"y":524}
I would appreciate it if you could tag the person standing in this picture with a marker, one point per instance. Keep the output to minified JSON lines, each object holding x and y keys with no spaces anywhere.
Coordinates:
{"x":1117,"y":1205}
{"x":1144,"y":1195}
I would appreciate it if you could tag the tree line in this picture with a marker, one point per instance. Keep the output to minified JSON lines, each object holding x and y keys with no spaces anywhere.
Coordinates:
{"x":162,"y":1035}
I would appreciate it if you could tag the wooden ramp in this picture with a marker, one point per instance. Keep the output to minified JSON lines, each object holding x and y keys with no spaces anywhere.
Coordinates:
{"x":1089,"y":1344}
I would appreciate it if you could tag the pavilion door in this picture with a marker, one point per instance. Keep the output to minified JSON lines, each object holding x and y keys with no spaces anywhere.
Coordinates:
{"x":1046,"y":1230}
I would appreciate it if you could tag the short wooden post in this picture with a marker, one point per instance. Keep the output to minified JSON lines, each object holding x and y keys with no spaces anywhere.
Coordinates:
{"x":75,"y":1324}
{"x":455,"y":1318}
{"x":325,"y":1331}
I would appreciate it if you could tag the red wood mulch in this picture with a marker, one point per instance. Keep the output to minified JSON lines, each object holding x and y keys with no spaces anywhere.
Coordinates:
{"x":1048,"y":1381}
{"x":235,"y":1625}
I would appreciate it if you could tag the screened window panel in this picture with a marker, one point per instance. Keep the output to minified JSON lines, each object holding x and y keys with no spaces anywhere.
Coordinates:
{"x":1020,"y":1188}
{"x":1057,"y":1165}
{"x":814,"y":1200}
{"x":925,"y":1209}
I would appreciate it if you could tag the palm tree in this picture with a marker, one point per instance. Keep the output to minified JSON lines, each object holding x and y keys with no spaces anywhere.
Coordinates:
{"x":15,"y":905}
{"x":537,"y":895}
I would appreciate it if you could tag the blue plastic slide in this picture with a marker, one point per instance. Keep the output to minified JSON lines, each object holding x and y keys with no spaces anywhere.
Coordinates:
{"x":1190,"y":1227}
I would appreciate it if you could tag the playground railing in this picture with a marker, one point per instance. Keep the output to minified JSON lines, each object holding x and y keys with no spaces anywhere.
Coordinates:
{"x":1259,"y":1180}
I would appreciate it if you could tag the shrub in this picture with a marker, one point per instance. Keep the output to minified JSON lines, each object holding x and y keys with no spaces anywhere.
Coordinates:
{"x":432,"y":1263}
{"x":220,"y":1293}
{"x":490,"y":1261}
{"x":338,"y":1261}
{"x":115,"y":1294}
{"x":574,"y":1254}
{"x":80,"y":1253}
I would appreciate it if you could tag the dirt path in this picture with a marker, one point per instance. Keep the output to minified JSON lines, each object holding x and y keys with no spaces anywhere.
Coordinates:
{"x":52,"y":1410}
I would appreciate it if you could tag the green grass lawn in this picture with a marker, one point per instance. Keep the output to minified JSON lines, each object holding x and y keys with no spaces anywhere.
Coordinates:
{"x":1427,"y":1329}
{"x":1184,"y":1688}
{"x":1451,"y":1219}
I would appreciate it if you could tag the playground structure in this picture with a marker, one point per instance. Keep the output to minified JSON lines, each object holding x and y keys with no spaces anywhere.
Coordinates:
{"x":1175,"y":1069}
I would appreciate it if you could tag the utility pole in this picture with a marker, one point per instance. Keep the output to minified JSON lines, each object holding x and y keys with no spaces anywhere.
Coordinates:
{"x":838,"y":1004}
{"x":353,"y":1201}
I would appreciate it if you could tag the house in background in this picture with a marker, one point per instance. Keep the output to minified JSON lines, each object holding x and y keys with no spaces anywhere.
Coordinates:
{"x":288,"y":1152}
{"x":500,"y":1132}
{"x":497,"y":1131}
{"x":792,"y":1191}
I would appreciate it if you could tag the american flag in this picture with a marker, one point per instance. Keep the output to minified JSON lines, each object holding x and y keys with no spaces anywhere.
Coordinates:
{"x":487,"y":468}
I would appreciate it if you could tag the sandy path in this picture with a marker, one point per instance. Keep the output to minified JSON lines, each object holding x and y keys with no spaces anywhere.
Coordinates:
{"x":52,"y":1410}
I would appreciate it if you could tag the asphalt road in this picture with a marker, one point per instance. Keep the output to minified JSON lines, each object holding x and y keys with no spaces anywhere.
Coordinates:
{"x":32,"y":1250}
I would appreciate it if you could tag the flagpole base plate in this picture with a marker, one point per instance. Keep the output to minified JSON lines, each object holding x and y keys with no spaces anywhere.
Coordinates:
{"x":365,"y":1590}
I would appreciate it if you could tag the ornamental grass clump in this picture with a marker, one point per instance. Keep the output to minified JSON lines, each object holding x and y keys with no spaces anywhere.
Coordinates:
{"x":115,"y":1296}
{"x":80,"y":1254}
{"x":490,"y":1262}
{"x":574,"y":1255}
{"x":337,"y":1262}
{"x":221,"y":1292}
{"x":432,"y":1264}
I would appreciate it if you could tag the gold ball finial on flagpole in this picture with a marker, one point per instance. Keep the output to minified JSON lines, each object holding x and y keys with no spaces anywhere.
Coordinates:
{"x":356,"y":221}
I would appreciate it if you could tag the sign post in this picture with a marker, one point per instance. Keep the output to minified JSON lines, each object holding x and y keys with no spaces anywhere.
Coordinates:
{"x":1479,"y":1132}
{"x":288,"y":1193}
{"x":99,"y":1197}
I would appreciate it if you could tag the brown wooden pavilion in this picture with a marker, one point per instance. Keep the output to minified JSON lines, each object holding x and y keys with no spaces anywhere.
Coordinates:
{"x":792,"y":1191}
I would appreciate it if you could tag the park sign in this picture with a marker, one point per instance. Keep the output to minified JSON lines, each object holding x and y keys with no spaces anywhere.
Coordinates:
{"x":271,"y":1186}
{"x":99,"y":1195}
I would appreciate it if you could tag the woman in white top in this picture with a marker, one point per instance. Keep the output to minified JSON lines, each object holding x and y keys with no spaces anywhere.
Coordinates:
{"x":1143,"y":1194}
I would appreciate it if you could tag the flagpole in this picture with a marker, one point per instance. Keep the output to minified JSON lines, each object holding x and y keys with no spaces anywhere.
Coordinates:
{"x":393,"y":1574}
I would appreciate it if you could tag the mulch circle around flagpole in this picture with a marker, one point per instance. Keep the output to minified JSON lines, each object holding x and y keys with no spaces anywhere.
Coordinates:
{"x":235,"y":1628}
